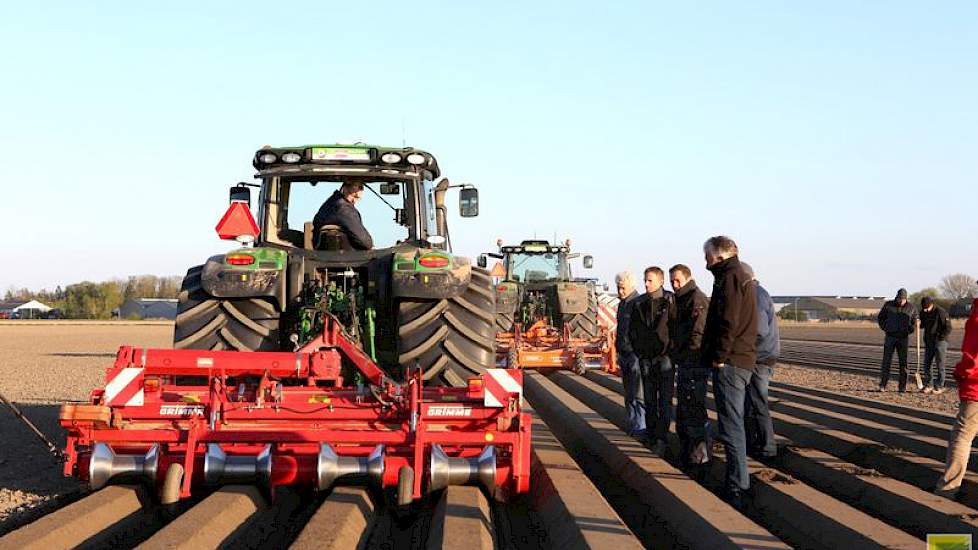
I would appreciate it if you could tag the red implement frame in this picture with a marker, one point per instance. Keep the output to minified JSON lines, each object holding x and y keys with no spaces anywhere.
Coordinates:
{"x":279,"y":417}
{"x":543,"y":346}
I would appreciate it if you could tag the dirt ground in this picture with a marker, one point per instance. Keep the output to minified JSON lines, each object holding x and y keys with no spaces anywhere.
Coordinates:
{"x":44,"y":365}
{"x":854,"y":332}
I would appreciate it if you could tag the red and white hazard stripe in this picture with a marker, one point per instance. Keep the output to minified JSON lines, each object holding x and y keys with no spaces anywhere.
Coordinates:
{"x":608,"y":311}
{"x":125,"y":387}
{"x":499,"y":384}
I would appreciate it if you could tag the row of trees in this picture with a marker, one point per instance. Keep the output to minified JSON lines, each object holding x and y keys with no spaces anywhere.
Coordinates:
{"x":952,"y":289}
{"x":88,"y":300}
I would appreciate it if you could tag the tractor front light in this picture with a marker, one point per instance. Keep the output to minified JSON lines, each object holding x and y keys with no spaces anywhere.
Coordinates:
{"x":268,"y":158}
{"x":391,"y":158}
{"x":416,"y":158}
{"x":291,"y":158}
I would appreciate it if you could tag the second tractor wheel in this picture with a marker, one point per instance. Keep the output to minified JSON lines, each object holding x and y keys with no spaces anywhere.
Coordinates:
{"x":584,"y":325}
{"x":452,"y":339}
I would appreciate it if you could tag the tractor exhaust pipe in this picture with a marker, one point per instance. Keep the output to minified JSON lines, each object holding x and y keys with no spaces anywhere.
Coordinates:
{"x":331,"y":467}
{"x":105,"y":465}
{"x":221,"y":469}
{"x":447,"y":471}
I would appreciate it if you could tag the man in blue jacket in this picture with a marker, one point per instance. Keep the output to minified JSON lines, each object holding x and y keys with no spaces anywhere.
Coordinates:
{"x":341,"y":210}
{"x":898,"y":319}
{"x":757,"y":414}
{"x":631,"y":376}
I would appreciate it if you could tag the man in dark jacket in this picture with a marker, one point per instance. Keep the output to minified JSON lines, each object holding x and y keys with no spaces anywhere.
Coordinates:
{"x":758,"y":424}
{"x":897,"y":319}
{"x":628,"y":364}
{"x":935,"y":327}
{"x":340,"y":209}
{"x":729,"y":348}
{"x":686,"y":333}
{"x":648,"y":332}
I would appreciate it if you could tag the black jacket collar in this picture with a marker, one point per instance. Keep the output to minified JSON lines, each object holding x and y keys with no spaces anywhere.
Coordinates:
{"x":724,"y":266}
{"x":690,"y":286}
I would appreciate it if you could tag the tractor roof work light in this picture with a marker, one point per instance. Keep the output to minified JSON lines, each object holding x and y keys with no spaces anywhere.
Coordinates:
{"x":416,"y":158}
{"x":268,"y":158}
{"x":291,"y":157}
{"x":390,"y":158}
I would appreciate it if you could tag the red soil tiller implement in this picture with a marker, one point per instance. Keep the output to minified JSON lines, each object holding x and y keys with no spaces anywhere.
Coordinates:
{"x":181,"y":419}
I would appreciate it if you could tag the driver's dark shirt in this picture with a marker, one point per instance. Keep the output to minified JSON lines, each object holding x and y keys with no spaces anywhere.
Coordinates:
{"x":339,"y":211}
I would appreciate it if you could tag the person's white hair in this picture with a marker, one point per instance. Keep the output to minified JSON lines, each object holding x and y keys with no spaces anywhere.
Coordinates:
{"x":721,"y":246}
{"x":624,"y":277}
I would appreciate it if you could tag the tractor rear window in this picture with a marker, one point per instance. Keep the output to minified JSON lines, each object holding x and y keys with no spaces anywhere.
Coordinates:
{"x":304,"y":199}
{"x":530,"y":268}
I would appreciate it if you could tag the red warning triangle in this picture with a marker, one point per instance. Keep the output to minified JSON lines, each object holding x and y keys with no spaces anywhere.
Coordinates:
{"x":498,"y":270}
{"x":237,"y":221}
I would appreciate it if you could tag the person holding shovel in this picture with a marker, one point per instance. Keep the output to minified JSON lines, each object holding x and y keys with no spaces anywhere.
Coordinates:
{"x":897,"y":319}
{"x":966,"y":423}
{"x":935,"y":327}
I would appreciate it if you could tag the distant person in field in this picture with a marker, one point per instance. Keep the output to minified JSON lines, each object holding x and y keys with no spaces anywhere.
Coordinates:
{"x":966,"y":423}
{"x":757,"y":413}
{"x":692,"y":422}
{"x":730,"y":349}
{"x":935,"y":327}
{"x":340,"y":209}
{"x":628,"y":365}
{"x":648,"y":331}
{"x":897,"y":319}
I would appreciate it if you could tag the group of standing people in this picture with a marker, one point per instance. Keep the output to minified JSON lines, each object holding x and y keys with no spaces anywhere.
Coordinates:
{"x":898,"y":319}
{"x":675,"y":342}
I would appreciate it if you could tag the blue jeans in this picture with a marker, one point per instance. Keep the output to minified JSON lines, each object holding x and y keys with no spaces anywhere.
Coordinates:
{"x":759,"y":427}
{"x":692,"y":422}
{"x":631,"y":380}
{"x":730,"y":391}
{"x":658,"y":385}
{"x":936,"y":351}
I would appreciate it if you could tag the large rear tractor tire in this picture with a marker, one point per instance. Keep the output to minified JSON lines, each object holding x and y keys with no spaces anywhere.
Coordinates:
{"x":453,"y":339}
{"x":233,"y":324}
{"x":585,"y":325}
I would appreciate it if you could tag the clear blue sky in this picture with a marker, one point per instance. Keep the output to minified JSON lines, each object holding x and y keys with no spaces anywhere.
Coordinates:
{"x":837,"y":142}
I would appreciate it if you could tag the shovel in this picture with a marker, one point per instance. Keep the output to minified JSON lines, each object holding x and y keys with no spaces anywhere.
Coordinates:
{"x":916,"y":374}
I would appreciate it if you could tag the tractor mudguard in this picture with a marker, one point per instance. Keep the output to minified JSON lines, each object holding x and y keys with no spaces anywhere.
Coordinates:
{"x":507,"y":297}
{"x":572,"y":298}
{"x":265,"y":276}
{"x":412,"y":279}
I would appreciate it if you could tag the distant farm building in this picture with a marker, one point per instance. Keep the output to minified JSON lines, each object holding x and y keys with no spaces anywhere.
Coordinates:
{"x":827,"y":308}
{"x":148,"y":308}
{"x":23,"y":310}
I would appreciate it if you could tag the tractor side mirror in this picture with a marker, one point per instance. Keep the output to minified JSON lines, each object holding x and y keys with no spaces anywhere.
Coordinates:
{"x":481,"y":261}
{"x":390,"y":189}
{"x":468,"y":202}
{"x":241,"y":193}
{"x":588,"y":261}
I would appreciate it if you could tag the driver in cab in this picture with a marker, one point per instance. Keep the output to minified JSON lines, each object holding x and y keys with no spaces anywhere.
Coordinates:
{"x":340,"y":210}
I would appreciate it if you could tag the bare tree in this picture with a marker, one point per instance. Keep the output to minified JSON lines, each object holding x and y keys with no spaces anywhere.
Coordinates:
{"x":959,"y":286}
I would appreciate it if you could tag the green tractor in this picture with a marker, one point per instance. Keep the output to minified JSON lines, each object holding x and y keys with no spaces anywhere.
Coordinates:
{"x":538,"y":285}
{"x":410,"y":303}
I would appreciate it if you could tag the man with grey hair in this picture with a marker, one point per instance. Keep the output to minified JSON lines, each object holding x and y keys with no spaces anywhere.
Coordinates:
{"x":631,"y":377}
{"x":729,"y":348}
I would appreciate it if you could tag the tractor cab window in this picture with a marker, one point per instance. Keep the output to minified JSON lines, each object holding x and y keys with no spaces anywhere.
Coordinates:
{"x":301,"y":199}
{"x":529,"y":268}
{"x":430,"y":220}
